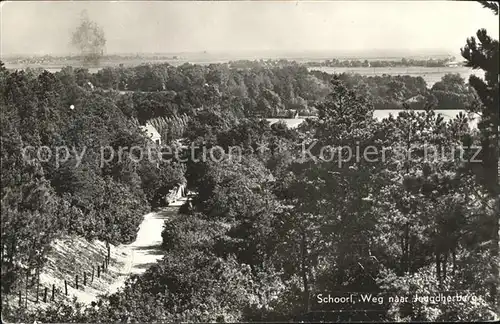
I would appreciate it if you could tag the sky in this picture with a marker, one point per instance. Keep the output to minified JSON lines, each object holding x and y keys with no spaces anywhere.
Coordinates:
{"x":45,"y":27}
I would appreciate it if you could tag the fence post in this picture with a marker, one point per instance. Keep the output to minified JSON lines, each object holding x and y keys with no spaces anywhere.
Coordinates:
{"x":46,"y":291}
{"x":20,"y":298}
{"x":99,"y":271}
{"x":84,"y":278}
{"x":92,"y":280}
{"x":37,"y":287}
{"x":53,"y":292}
{"x":76,"y":280}
{"x":26,"y":288}
{"x":65,"y":287}
{"x":103,"y":268}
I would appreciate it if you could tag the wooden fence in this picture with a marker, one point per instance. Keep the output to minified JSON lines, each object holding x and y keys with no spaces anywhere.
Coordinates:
{"x":48,"y":293}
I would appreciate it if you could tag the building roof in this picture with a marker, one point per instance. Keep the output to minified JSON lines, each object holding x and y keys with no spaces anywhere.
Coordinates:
{"x":290,"y":122}
{"x":151,"y":131}
{"x":417,"y":98}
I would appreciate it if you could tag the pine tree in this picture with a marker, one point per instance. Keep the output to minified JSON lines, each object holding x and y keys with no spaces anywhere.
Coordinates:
{"x":484,"y":55}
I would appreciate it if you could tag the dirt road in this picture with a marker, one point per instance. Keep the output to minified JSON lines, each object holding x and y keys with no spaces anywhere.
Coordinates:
{"x":146,"y":249}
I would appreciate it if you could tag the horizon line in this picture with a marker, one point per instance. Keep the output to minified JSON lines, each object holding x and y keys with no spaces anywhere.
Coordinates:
{"x":327,"y":54}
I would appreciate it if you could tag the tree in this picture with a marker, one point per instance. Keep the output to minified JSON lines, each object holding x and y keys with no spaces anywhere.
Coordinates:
{"x":485,"y":55}
{"x":492,"y":5}
{"x":89,"y":39}
{"x":427,"y":230}
{"x":450,"y":82}
{"x":324,"y":206}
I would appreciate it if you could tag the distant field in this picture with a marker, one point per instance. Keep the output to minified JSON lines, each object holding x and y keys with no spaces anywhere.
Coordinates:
{"x":430,"y":75}
{"x":382,"y":114}
{"x":290,"y":122}
{"x":446,"y":114}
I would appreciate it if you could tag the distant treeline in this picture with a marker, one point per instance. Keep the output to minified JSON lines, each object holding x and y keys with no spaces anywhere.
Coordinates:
{"x":404,"y":62}
{"x":49,"y":59}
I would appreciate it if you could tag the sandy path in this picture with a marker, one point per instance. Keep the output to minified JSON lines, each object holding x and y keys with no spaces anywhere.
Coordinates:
{"x":146,"y":249}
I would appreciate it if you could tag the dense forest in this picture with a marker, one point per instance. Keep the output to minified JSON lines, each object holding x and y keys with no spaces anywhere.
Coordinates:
{"x":275,"y":91}
{"x":270,"y":231}
{"x":258,"y":90}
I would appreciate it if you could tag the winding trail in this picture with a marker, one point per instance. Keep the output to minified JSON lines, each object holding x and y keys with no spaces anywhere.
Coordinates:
{"x":146,"y":249}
